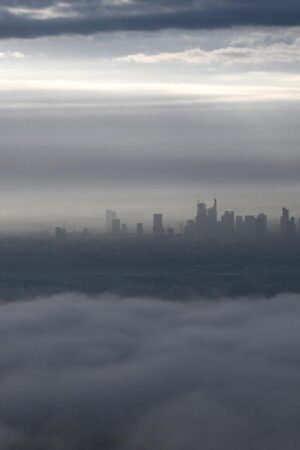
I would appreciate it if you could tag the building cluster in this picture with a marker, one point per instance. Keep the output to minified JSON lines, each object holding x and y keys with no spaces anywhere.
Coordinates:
{"x":288,"y":225}
{"x":114,"y":226}
{"x":207,"y":226}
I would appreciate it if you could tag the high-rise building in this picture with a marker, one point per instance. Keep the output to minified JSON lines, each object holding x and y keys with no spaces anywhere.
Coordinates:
{"x":212,"y":214}
{"x":261,"y":226}
{"x":206,"y":221}
{"x":227,"y":225}
{"x":291,"y":232}
{"x":109,"y":217}
{"x":287,"y":225}
{"x":158,"y":229}
{"x":123,"y":228}
{"x":201,"y":212}
{"x":116,"y":226}
{"x":284,"y":221}
{"x":239,"y":226}
{"x":201,"y":220}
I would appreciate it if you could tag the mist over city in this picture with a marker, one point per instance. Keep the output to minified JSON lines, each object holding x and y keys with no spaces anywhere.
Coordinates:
{"x":149,"y":225}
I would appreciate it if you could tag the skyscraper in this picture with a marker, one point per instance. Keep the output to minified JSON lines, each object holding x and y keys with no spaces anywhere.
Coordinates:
{"x":158,"y":229}
{"x":284,"y":220}
{"x":109,"y":217}
{"x":201,"y":216}
{"x":291,"y":232}
{"x":239,"y":226}
{"x":287,"y":225}
{"x":227,"y":225}
{"x":212,"y":214}
{"x":261,"y":226}
{"x":206,"y":221}
{"x":116,"y":226}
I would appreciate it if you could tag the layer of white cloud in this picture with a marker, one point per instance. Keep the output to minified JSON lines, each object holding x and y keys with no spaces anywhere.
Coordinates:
{"x":279,"y":53}
{"x":56,"y":11}
{"x":257,"y":88}
{"x":12,"y":55}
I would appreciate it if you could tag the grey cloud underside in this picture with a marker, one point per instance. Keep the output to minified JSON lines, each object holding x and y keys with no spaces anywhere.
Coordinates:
{"x":96,"y":17}
{"x":151,"y":146}
{"x":123,"y":374}
{"x":102,"y":170}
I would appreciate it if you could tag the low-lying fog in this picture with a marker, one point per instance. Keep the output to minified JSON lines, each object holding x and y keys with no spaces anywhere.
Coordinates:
{"x":120,"y":373}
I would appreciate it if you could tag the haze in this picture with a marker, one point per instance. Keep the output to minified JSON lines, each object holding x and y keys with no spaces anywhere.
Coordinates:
{"x":122,"y":105}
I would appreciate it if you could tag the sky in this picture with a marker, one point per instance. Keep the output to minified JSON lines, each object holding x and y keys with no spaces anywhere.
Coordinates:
{"x":144,"y":106}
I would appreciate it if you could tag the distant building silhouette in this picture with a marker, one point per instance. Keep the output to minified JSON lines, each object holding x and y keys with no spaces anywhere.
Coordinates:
{"x":239,"y":227}
{"x":201,"y":220}
{"x":227,"y":225}
{"x":292,"y":229}
{"x":116,"y":226}
{"x":212,"y":214}
{"x":251,"y":227}
{"x":261,"y":226}
{"x":287,"y":225}
{"x":158,"y":229}
{"x":284,"y":220}
{"x":205,"y":222}
{"x":205,"y":226}
{"x":110,"y":216}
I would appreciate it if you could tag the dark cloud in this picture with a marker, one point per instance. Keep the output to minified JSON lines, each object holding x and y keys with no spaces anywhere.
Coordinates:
{"x":121,"y":374}
{"x":104,"y":16}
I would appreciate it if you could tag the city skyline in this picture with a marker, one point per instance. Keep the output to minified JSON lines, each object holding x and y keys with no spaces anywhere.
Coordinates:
{"x":208,"y":224}
{"x":98,"y":222}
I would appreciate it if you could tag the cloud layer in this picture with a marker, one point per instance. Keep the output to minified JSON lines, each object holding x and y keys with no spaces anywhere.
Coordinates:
{"x":30,"y":18}
{"x":122,"y":374}
{"x":163,"y":144}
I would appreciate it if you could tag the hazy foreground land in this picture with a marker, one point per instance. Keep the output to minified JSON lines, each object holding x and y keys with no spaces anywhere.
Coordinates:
{"x":165,"y":268}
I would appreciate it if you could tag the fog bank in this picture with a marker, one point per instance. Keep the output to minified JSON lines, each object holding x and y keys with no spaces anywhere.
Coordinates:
{"x":115,"y":373}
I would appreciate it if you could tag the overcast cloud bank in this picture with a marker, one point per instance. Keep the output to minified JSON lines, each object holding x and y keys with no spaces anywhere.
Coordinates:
{"x":30,"y":18}
{"x":118,"y":373}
